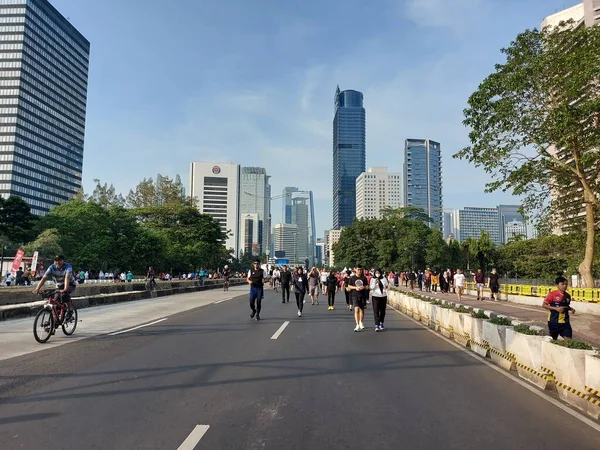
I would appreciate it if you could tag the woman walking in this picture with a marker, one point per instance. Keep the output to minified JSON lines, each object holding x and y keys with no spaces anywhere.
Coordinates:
{"x":379,"y":287}
{"x":345,"y":280}
{"x":300,"y":284}
{"x":332,"y":286}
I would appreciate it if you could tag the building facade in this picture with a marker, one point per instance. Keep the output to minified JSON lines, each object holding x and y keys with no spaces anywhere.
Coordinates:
{"x":44,"y":65}
{"x":255,"y":199}
{"x":285,"y":242}
{"x":216,"y":186}
{"x":332,"y":239}
{"x":349,"y":154}
{"x":288,"y":192}
{"x":423,"y":178}
{"x":472,"y":221}
{"x":510,"y":214}
{"x":515,"y":229}
{"x":377,"y":189}
{"x":251,"y":228}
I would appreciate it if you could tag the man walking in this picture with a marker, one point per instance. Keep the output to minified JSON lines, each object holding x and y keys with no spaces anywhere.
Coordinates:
{"x":357,"y":285}
{"x":459,"y":283}
{"x":479,"y":280}
{"x":494,"y":284}
{"x":558,"y":304}
{"x":286,"y":279}
{"x":255,"y":279}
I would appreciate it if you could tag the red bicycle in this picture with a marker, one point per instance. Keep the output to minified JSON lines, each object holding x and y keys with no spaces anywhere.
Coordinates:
{"x":54,"y":314}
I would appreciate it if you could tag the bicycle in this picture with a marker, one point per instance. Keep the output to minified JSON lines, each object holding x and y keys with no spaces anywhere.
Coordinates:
{"x":52,"y":315}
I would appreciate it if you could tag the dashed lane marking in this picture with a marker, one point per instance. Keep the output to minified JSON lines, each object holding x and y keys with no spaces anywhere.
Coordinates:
{"x":194,"y":437}
{"x":281,"y":328}
{"x":138,"y":327}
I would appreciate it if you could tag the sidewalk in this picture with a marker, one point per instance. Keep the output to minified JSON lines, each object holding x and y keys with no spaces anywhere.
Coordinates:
{"x":586,"y":327}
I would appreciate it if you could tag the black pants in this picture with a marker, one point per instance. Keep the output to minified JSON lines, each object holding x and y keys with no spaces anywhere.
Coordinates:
{"x":300,"y":299}
{"x":347,"y":294}
{"x":379,"y":304}
{"x":285,"y":292}
{"x":331,"y":297}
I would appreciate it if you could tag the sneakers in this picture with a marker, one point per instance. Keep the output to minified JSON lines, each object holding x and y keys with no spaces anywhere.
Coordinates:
{"x":330,"y":308}
{"x":361,"y":326}
{"x":299,"y":314}
{"x":381,"y":327}
{"x":257,"y":317}
{"x":357,"y":329}
{"x":253,"y":314}
{"x":377,"y":328}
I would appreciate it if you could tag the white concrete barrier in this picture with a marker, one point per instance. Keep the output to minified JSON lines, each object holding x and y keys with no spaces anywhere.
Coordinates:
{"x":462,"y":335}
{"x":445,"y":318}
{"x":527,"y":350}
{"x":495,"y":335}
{"x":478,"y":343}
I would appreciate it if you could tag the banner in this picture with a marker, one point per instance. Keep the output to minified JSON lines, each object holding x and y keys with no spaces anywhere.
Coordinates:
{"x":17,"y":261}
{"x":34,"y":261}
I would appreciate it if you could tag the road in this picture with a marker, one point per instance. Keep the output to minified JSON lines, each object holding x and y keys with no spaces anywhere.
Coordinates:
{"x":318,"y":385}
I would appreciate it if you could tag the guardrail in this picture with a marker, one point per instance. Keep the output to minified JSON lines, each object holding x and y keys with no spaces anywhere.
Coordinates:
{"x":590,"y":295}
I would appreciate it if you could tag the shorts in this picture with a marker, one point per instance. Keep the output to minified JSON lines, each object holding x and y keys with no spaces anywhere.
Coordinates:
{"x":256,"y":293}
{"x":560,"y":329}
{"x":479,"y":286}
{"x":313,"y":291}
{"x":495,"y":288}
{"x":459,"y":289}
{"x":359,"y":301}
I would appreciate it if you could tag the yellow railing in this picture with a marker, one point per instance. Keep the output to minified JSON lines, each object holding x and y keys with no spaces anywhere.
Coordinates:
{"x":591,"y":295}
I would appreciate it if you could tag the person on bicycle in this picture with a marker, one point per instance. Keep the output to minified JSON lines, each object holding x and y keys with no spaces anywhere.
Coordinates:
{"x":150,"y":276}
{"x":226,"y":276}
{"x":62,"y":274}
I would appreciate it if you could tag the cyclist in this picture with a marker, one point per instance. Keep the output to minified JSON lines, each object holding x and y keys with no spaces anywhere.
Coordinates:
{"x":62,"y":274}
{"x":226,"y":275}
{"x":151,"y":275}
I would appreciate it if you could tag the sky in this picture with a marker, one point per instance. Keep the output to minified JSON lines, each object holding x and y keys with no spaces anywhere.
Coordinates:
{"x":253,"y":81}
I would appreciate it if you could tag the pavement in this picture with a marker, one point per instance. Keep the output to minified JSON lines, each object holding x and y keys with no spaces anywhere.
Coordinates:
{"x":208,"y":377}
{"x":586,"y":327}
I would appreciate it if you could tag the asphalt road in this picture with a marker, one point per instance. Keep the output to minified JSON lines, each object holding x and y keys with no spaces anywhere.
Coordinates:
{"x":318,"y":385}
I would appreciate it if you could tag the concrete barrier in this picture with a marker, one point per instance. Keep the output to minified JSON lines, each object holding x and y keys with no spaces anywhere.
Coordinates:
{"x":478,"y":343}
{"x":445,"y":319}
{"x":495,"y":335}
{"x":527,"y":351}
{"x":462,"y":335}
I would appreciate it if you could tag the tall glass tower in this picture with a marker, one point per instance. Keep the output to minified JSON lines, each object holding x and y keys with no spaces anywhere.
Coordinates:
{"x":349,"y":154}
{"x":44,"y":82}
{"x":423,"y":178}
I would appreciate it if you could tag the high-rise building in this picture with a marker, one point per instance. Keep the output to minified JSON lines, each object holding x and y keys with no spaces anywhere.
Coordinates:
{"x":44,"y":81}
{"x":423,"y":178}
{"x":251,"y":228}
{"x":287,"y":203}
{"x":474,"y":220}
{"x":255,"y":199}
{"x":510,"y":214}
{"x":349,"y":154}
{"x":216,"y":187}
{"x":592,"y":12}
{"x":377,"y":189}
{"x":286,"y":242}
{"x":334,"y":237}
{"x":513,"y":229}
{"x":320,"y":252}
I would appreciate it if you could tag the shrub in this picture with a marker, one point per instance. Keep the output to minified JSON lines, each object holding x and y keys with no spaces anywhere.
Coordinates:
{"x":462,"y":309}
{"x":479,"y":315}
{"x":577,"y":345}
{"x":526,"y":329}
{"x":501,"y":321}
{"x":447,"y":305}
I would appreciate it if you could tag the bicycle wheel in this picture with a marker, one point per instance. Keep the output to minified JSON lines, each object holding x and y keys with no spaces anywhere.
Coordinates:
{"x":69,"y":325}
{"x":43,"y":325}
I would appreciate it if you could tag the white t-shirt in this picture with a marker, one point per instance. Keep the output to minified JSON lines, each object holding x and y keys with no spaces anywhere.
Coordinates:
{"x":276,"y":274}
{"x":324,"y":276}
{"x":459,"y":280}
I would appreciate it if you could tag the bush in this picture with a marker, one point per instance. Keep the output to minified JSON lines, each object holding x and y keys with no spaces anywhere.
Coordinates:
{"x":526,"y":329}
{"x":462,"y":309}
{"x":479,"y":315}
{"x":501,"y":321}
{"x":577,"y":345}
{"x":447,"y":305}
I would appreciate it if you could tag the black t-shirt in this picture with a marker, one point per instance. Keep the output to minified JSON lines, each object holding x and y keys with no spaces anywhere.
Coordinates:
{"x":19,"y":273}
{"x":494,"y":279}
{"x":411,"y":276}
{"x":286,"y":277}
{"x":226,"y":273}
{"x":256,"y":277}
{"x":332,"y":282}
{"x":358,"y":281}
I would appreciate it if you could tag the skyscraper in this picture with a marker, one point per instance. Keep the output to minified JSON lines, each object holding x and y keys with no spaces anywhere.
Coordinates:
{"x":349,"y":154}
{"x":44,"y":79}
{"x":377,"y":189}
{"x":286,"y":242}
{"x":287,"y":203}
{"x":510,"y":214}
{"x":472,"y":221}
{"x":217,"y":188}
{"x":255,"y":199}
{"x":423,"y":178}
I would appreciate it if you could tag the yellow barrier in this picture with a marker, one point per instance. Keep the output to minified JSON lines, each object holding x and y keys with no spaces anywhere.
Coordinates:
{"x":590,"y":295}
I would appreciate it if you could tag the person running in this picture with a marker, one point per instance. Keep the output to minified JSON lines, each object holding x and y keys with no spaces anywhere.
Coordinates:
{"x":256,"y":279}
{"x":286,"y":279}
{"x":479,"y":280}
{"x":357,"y":285}
{"x":459,"y":283}
{"x":313,"y":286}
{"x":300,"y":284}
{"x":558,"y":304}
{"x":379,"y":287}
{"x":331,"y":287}
{"x":494,"y":284}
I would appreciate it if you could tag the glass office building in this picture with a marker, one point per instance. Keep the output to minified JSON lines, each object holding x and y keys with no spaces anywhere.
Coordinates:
{"x":423,"y":178}
{"x":349,"y":154}
{"x":44,"y":64}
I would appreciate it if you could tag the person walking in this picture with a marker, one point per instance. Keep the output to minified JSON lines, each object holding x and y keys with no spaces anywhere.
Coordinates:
{"x":459,"y":283}
{"x":345,"y":280}
{"x":558,"y":304}
{"x":276,"y":278}
{"x":286,"y":279}
{"x":300,"y":284}
{"x":331,"y":287}
{"x":494,"y":284}
{"x":479,"y":280}
{"x":357,"y":285}
{"x":313,"y":286}
{"x":435,"y":281}
{"x":255,"y":278}
{"x":379,"y":287}
{"x":323,"y":281}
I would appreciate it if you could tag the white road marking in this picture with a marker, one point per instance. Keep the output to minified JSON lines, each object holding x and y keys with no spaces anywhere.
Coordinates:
{"x":221,"y":301}
{"x":526,"y":385}
{"x":281,"y":328}
{"x":135,"y":328}
{"x":194,"y":437}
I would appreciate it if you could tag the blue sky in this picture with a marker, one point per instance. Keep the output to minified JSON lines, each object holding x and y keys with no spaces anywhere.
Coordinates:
{"x":252,"y":82}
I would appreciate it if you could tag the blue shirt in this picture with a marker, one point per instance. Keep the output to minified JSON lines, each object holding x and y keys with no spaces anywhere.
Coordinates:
{"x":58,"y":275}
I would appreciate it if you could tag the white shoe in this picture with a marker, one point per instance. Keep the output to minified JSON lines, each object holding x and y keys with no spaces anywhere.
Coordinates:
{"x":361,"y":326}
{"x":357,"y":328}
{"x":299,"y":314}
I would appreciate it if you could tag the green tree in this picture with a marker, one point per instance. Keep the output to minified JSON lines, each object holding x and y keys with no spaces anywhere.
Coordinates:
{"x":437,"y":253}
{"x":144,"y":195}
{"x":454,"y":255}
{"x":106,"y":195}
{"x":16,"y":221}
{"x":534,"y":125}
{"x":47,"y":244}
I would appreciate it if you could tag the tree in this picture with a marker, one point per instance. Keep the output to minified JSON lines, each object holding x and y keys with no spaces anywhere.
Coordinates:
{"x":165,"y":192}
{"x":454,"y":254}
{"x":437,"y":254}
{"x":535,"y":125}
{"x":106,"y":195}
{"x":16,"y":220}
{"x":144,"y":195}
{"x":47,"y":244}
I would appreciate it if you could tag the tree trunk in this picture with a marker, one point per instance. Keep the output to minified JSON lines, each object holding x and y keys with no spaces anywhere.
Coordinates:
{"x":585,"y":268}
